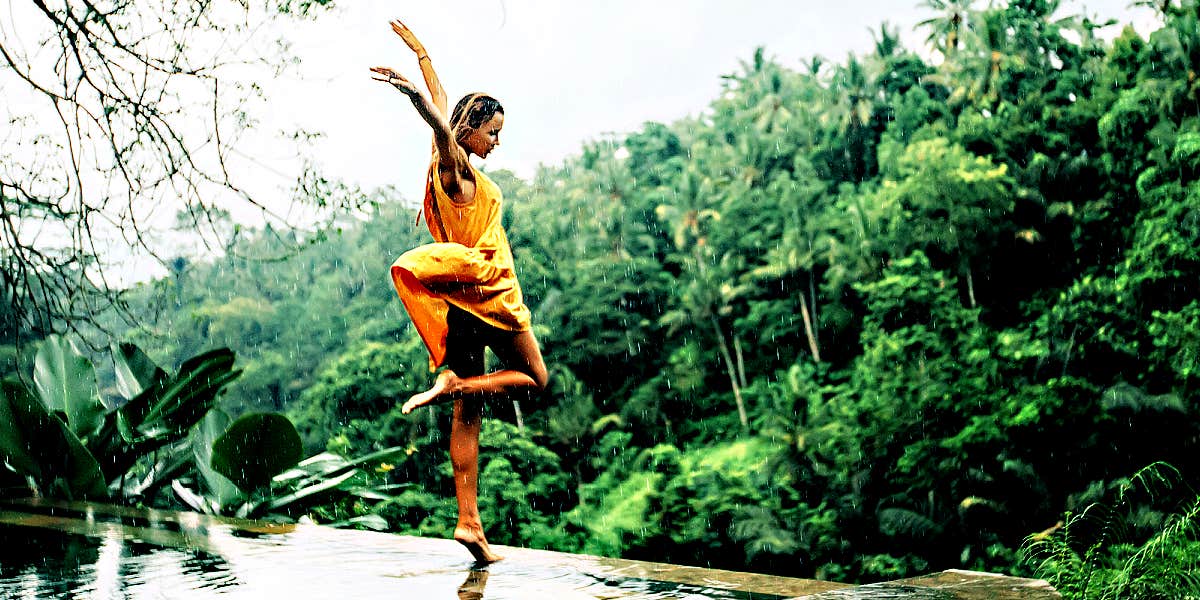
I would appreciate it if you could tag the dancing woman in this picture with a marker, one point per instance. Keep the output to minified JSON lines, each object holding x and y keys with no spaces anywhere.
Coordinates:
{"x":461,"y":291}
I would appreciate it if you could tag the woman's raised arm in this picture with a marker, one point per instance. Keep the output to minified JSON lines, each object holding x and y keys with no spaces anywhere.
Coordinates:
{"x":436,"y":92}
{"x":451,"y":157}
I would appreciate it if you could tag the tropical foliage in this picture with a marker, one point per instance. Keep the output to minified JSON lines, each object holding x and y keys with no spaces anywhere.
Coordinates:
{"x":70,"y":441}
{"x":858,"y":320}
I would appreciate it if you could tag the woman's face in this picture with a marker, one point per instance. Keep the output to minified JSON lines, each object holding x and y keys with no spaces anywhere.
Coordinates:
{"x":486,"y":137}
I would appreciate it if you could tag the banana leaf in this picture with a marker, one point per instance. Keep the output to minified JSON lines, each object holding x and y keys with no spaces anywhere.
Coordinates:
{"x":255,"y":448}
{"x":329,"y":475}
{"x":313,"y":465}
{"x":196,"y":501}
{"x":378,"y":492}
{"x":66,"y":382}
{"x":135,"y":371}
{"x":45,"y":448}
{"x":220,"y":490}
{"x":167,"y":409}
{"x":374,"y":522}
{"x":15,"y":444}
{"x":183,"y":400}
{"x":326,"y":465}
{"x":308,"y":496}
{"x":174,"y":462}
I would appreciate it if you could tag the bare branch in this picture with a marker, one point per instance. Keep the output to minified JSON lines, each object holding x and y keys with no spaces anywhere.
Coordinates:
{"x":140,"y":95}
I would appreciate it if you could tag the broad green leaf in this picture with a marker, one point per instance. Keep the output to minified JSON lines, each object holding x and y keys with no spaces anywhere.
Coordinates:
{"x":66,"y":382}
{"x":191,"y":394}
{"x":221,"y":490}
{"x":313,"y":465}
{"x":309,"y":492}
{"x":46,"y":447}
{"x":255,"y":448}
{"x":171,"y":405}
{"x":135,"y":371}
{"x":379,"y":492}
{"x":374,"y":522}
{"x":333,"y":468}
{"x":192,"y":499}
{"x":173,"y":461}
{"x":15,"y":445}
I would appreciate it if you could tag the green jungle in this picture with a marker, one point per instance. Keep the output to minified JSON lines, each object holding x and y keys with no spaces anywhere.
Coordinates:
{"x":867,"y":319}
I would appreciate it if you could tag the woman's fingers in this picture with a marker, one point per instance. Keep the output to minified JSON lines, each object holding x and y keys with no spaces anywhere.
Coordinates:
{"x":406,"y":34}
{"x":383,"y":74}
{"x":387,"y":75}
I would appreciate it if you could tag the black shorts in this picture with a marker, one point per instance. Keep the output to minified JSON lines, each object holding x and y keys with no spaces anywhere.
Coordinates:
{"x":466,"y":338}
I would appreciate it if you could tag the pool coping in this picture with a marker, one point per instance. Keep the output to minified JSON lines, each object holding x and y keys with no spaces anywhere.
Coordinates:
{"x":190,"y":530}
{"x":181,"y":529}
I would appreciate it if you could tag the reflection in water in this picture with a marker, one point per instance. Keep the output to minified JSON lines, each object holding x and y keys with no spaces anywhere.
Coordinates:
{"x":83,"y":551}
{"x":112,"y":562}
{"x":38,"y":564}
{"x":472,"y":588}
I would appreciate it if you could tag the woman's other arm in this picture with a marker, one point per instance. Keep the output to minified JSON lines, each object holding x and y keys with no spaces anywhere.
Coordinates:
{"x":432,"y":83}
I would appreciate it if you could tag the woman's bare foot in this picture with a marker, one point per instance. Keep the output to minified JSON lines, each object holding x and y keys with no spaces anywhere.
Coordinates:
{"x":472,"y":538}
{"x":443,"y":384}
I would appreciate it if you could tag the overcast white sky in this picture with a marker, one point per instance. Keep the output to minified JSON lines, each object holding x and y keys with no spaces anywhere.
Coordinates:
{"x":566,"y":71}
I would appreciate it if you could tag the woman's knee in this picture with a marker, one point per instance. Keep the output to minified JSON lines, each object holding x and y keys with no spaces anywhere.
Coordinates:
{"x":540,"y":377}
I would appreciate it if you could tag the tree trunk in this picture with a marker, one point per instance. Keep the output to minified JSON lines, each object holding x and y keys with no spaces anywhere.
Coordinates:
{"x":520,"y":418}
{"x":812,"y":298}
{"x":737,"y":390}
{"x":970,"y":287}
{"x":808,"y":329}
{"x":741,"y":364}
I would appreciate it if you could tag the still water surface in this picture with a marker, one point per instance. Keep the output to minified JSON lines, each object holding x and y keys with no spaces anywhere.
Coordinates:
{"x":113,"y":561}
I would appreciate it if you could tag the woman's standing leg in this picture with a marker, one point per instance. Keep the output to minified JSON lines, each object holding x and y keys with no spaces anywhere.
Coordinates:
{"x":464,"y":382}
{"x":526,"y":374}
{"x":464,"y":353}
{"x":464,"y":457}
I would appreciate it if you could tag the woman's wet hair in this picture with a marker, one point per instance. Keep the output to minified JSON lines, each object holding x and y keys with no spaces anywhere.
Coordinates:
{"x":472,"y":112}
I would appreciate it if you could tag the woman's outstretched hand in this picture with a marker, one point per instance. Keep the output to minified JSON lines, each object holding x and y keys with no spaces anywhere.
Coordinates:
{"x":397,"y":80}
{"x":406,"y":34}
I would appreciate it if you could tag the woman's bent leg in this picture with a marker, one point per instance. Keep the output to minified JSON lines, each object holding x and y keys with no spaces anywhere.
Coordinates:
{"x":526,"y":375}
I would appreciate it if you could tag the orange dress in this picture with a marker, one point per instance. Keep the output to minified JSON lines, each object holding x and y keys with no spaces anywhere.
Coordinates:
{"x":470,"y":265}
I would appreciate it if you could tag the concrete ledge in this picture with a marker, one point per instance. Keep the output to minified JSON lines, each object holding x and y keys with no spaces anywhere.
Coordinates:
{"x":247,"y":559}
{"x":949,"y":585}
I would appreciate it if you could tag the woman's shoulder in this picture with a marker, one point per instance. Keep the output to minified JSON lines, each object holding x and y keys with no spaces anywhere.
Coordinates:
{"x":485,"y":188}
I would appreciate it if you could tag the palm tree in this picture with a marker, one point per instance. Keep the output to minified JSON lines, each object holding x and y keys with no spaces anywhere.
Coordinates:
{"x":887,"y":41}
{"x":803,"y":245}
{"x":855,"y":95}
{"x":705,"y":293}
{"x":948,"y":25}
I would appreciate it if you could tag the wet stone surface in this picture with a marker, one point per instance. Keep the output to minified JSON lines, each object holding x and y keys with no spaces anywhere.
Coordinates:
{"x":73,"y":550}
{"x":882,"y":591}
{"x":65,"y":550}
{"x":948,"y":585}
